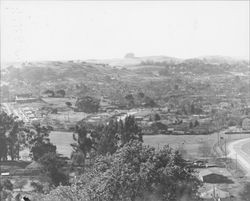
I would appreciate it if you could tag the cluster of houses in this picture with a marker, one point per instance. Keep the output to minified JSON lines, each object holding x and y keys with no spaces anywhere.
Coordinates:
{"x":25,"y":98}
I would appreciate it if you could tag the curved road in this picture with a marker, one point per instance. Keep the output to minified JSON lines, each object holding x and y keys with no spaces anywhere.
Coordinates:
{"x":238,"y":151}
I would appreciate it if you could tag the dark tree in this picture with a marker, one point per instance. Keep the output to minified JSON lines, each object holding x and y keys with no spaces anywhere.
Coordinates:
{"x":5,"y":124}
{"x":38,"y":141}
{"x":69,"y":104}
{"x":49,"y":92}
{"x":52,"y":166}
{"x":130,"y":100}
{"x":10,"y":136}
{"x":129,"y":130}
{"x":84,"y":143}
{"x":6,"y":184}
{"x":149,"y":102}
{"x":87,"y":104}
{"x":196,"y":123}
{"x":157,"y":117}
{"x":108,"y":142}
{"x":191,"y":124}
{"x":138,"y":172}
{"x":61,"y":93}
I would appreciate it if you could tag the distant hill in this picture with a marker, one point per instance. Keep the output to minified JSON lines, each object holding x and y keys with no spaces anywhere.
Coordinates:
{"x":222,"y":60}
{"x":132,"y":61}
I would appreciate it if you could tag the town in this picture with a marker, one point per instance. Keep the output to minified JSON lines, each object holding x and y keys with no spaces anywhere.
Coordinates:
{"x":124,"y":101}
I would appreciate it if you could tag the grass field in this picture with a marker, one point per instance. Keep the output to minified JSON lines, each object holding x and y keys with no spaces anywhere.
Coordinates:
{"x":194,"y":146}
{"x":68,"y":117}
{"x":62,"y":140}
{"x":191,"y":144}
{"x":59,"y":102}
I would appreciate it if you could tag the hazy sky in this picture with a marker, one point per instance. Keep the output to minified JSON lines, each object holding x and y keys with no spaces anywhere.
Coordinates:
{"x":61,"y":30}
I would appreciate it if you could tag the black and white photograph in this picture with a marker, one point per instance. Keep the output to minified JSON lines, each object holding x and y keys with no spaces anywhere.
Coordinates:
{"x":124,"y":100}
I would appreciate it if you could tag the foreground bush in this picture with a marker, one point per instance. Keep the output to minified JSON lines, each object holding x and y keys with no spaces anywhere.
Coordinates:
{"x":134,"y":173}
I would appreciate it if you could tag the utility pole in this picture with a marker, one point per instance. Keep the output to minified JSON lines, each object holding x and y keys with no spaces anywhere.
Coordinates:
{"x":226,"y":148}
{"x":236,"y":162}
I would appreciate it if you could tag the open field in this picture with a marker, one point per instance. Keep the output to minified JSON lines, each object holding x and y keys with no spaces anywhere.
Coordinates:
{"x":246,"y":148}
{"x":62,"y":140}
{"x":239,"y":150}
{"x":59,"y":102}
{"x":68,"y":117}
{"x":194,"y":146}
{"x":191,"y":144}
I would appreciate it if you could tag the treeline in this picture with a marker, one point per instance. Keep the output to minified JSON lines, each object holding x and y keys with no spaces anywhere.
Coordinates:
{"x":121,"y":168}
{"x":110,"y":162}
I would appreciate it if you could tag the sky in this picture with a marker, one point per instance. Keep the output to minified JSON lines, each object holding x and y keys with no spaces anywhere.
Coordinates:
{"x":72,"y":30}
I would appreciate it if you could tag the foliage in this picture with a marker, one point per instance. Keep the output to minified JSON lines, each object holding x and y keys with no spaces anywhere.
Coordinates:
{"x":108,"y":142}
{"x":61,"y":93}
{"x":157,"y":117}
{"x":103,"y":139}
{"x":129,"y":130}
{"x":69,"y":104}
{"x":64,"y":193}
{"x":52,"y":166}
{"x":38,"y":141}
{"x":130,"y":100}
{"x":245,"y":194}
{"x":6,"y":184}
{"x":87,"y":104}
{"x":11,"y":136}
{"x":49,"y":92}
{"x":38,"y":187}
{"x":138,"y":172}
{"x":196,"y":123}
{"x":20,"y":183}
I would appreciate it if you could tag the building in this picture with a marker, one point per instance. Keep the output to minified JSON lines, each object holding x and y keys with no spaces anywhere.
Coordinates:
{"x":25,"y":98}
{"x":246,"y":124}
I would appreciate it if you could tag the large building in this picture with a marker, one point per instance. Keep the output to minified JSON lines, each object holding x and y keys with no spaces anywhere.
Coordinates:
{"x":25,"y":98}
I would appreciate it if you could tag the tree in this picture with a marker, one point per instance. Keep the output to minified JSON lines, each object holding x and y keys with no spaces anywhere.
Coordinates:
{"x":103,"y":139}
{"x":49,"y":92}
{"x":15,"y":140}
{"x":37,"y":186}
{"x":83,"y":142}
{"x":69,"y":104}
{"x":196,"y":123}
{"x":157,"y":117}
{"x":5,"y":124}
{"x":108,"y":142}
{"x":61,"y":93}
{"x":149,"y":102}
{"x":129,"y":130}
{"x":245,"y":194}
{"x":38,"y":141}
{"x":130,"y":100}
{"x":138,"y":172}
{"x":52,"y":167}
{"x":87,"y":104}
{"x":6,"y":184}
{"x":11,"y":136}
{"x":191,"y":124}
{"x":20,"y":183}
{"x":141,"y":95}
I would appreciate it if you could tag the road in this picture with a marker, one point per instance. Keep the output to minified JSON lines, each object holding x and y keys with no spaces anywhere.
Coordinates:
{"x":236,"y":151}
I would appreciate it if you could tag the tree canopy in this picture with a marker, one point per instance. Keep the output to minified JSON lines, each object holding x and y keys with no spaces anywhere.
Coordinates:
{"x":134,"y":173}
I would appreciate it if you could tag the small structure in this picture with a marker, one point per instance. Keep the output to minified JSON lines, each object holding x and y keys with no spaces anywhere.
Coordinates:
{"x":246,"y":124}
{"x":214,"y":193}
{"x":25,"y":98}
{"x":204,"y":173}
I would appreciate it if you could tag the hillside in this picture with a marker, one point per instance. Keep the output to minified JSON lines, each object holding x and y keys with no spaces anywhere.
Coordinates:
{"x":156,"y":76}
